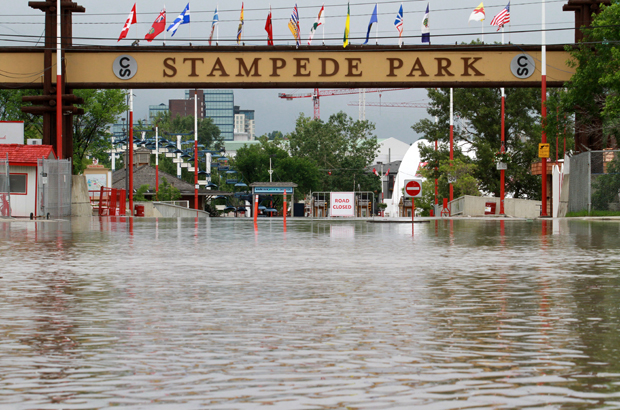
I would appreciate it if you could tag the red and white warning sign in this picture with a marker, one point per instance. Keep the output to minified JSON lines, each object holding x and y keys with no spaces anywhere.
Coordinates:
{"x":413,"y":188}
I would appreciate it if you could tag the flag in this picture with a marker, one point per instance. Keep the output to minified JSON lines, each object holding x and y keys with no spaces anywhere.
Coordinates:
{"x":373,"y":19}
{"x":374,"y":171}
{"x":502,"y":17}
{"x":478,"y":13}
{"x":399,"y":25}
{"x":293,"y":25}
{"x":319,"y":21}
{"x":130,"y":20}
{"x":158,"y":26}
{"x":182,"y":19}
{"x":426,"y":30}
{"x":240,"y":29}
{"x":216,"y":20}
{"x":347,"y":27}
{"x":387,"y":173}
{"x":269,"y":29}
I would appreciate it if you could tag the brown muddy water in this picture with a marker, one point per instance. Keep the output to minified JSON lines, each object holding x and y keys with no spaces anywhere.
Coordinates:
{"x":185,"y":314}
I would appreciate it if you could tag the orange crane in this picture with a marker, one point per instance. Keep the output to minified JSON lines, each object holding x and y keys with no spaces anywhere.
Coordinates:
{"x":326,"y":93}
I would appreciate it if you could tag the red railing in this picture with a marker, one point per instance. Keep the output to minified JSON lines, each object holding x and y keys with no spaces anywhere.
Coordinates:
{"x":109,"y":201}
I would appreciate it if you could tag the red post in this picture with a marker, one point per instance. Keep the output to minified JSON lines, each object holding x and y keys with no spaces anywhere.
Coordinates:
{"x":157,"y":181}
{"x":451,"y":138}
{"x":412,"y":209}
{"x":255,"y":208}
{"x":130,"y":159}
{"x":436,"y":182}
{"x":59,"y":152}
{"x":284,"y":210}
{"x":544,"y":140}
{"x":502,"y":174}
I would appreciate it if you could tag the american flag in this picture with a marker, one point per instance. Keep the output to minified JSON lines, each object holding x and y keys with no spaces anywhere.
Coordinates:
{"x":399,"y":25}
{"x":293,"y":25}
{"x":502,"y":17}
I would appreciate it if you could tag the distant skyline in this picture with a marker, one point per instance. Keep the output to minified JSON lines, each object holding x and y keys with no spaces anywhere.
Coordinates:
{"x":448,"y":21}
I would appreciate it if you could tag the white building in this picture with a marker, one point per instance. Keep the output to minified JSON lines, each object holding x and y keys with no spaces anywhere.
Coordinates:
{"x":390,"y":150}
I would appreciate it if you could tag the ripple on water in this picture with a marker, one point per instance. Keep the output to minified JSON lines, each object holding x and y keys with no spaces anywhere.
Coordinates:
{"x":178,"y":314}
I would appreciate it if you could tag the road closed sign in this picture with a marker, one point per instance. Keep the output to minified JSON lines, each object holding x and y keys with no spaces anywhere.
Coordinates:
{"x":413,"y":188}
{"x":342,"y":203}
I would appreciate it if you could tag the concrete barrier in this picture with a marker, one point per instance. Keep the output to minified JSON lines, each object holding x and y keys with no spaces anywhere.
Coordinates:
{"x":80,"y":201}
{"x":476,"y":206}
{"x":173,"y":211}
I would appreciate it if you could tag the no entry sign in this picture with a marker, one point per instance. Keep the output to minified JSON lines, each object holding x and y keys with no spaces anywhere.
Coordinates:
{"x":413,"y":188}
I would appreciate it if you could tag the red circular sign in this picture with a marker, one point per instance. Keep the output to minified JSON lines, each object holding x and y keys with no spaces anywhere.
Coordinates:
{"x":413,"y":188}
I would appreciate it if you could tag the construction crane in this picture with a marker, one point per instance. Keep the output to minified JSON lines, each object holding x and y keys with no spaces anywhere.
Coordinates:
{"x":317,"y":94}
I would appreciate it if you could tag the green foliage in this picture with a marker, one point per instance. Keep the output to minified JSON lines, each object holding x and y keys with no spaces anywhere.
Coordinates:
{"x":466,"y":183}
{"x":593,"y":93}
{"x":273,"y":135}
{"x":341,"y":148}
{"x":168,"y":192}
{"x":10,"y":110}
{"x":139,"y":195}
{"x":585,"y":213}
{"x":478,"y":130}
{"x":606,"y":187}
{"x":90,"y":131}
{"x":253,"y":164}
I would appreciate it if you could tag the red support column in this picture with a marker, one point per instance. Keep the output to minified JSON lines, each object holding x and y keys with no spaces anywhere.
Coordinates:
{"x":284,"y":209}
{"x":130,"y":159}
{"x":59,"y":152}
{"x":502,"y":173}
{"x":451,"y":138}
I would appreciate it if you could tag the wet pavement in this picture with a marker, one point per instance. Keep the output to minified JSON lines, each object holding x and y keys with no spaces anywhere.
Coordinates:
{"x":185,"y":314}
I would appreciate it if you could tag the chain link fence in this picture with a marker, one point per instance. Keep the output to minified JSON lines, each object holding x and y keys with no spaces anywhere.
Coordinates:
{"x":5,"y":188}
{"x":54,"y":188}
{"x":595,"y":181}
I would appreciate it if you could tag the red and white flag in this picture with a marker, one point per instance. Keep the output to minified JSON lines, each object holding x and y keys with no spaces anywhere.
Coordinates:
{"x":130,"y":20}
{"x":269,"y":29}
{"x":502,"y":17}
{"x":158,"y":26}
{"x":387,"y":173}
{"x":374,"y":171}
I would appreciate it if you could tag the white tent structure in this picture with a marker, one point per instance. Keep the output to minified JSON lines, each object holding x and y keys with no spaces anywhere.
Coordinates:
{"x":408,"y":169}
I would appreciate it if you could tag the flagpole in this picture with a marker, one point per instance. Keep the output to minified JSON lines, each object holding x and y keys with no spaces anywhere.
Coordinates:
{"x":482,"y":25}
{"x":543,"y":111}
{"x":451,"y":139}
{"x":377,"y":28}
{"x":502,"y":149}
{"x":59,"y":153}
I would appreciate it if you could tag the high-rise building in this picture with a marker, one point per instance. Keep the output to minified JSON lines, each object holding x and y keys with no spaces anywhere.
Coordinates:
{"x":244,"y":122}
{"x":219,"y":105}
{"x":155,"y":110}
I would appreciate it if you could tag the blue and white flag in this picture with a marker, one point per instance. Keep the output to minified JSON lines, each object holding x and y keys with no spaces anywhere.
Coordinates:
{"x":426,"y":30}
{"x":216,"y":20}
{"x":399,"y":25}
{"x":182,"y":19}
{"x":373,"y":19}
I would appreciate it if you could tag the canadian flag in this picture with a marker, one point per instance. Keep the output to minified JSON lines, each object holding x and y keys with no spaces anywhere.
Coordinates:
{"x":130,"y":20}
{"x":387,"y":173}
{"x":374,"y":171}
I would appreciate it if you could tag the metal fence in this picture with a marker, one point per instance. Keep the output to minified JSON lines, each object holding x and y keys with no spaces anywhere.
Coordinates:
{"x":54,"y":188}
{"x":595,"y":181}
{"x":5,"y":188}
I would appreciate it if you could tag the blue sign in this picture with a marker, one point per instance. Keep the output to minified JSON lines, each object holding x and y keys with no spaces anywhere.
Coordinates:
{"x":273,"y":190}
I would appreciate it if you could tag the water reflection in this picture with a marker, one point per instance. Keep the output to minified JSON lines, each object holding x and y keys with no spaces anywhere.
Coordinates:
{"x":183,"y":313}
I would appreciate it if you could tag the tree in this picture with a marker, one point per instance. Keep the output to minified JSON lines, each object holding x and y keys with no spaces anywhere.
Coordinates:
{"x":90,"y":131}
{"x":478,"y":134}
{"x":462,"y":170}
{"x":593,"y":94}
{"x":10,"y":110}
{"x":341,"y":148}
{"x":253,"y":164}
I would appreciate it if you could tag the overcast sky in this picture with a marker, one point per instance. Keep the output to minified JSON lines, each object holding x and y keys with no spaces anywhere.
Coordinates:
{"x":103,"y":22}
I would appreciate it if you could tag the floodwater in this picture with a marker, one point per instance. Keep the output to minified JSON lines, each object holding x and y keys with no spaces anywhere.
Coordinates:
{"x":185,"y":314}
